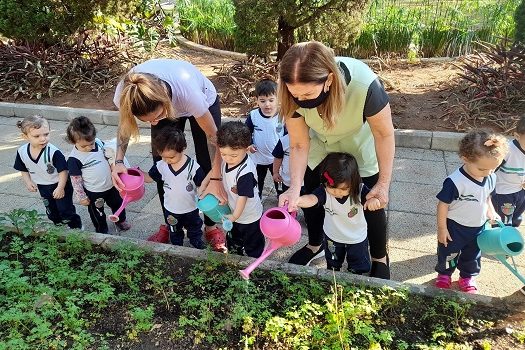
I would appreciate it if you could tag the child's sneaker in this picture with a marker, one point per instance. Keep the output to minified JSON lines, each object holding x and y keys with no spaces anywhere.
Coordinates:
{"x":123,"y":226}
{"x":161,"y":236}
{"x":443,"y":281}
{"x":305,"y":255}
{"x":468,"y":285}
{"x":217,"y":240}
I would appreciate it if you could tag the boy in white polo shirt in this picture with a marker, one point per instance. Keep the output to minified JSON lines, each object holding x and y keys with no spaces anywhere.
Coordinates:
{"x":238,"y":178}
{"x":181,"y":176}
{"x":266,"y":128}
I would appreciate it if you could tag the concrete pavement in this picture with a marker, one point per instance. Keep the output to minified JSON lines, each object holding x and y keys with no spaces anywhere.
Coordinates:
{"x":417,"y":177}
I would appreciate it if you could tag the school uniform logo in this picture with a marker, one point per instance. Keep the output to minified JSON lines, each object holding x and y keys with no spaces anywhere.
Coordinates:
{"x":172,"y":221}
{"x":507,"y":209}
{"x":50,"y":169}
{"x":189,"y":187}
{"x":234,"y":189}
{"x":353,"y":212}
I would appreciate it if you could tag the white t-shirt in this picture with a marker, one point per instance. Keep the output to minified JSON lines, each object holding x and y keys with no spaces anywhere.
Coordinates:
{"x":282,"y":151}
{"x":511,"y":174}
{"x":241,"y":179}
{"x":266,"y":133}
{"x":180,"y":187}
{"x":45,"y":168}
{"x":92,"y":166}
{"x":343,"y":222}
{"x":192,"y":92}
{"x":467,"y":198}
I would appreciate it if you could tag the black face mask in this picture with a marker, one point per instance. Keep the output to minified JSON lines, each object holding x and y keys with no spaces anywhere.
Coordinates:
{"x":313,"y":102}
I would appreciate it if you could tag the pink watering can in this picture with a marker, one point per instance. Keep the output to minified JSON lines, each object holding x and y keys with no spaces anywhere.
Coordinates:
{"x":133,"y":190}
{"x":281,"y":229}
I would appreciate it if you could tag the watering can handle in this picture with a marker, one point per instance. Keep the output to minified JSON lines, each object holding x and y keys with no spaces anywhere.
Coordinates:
{"x":488,"y":225}
{"x":293,"y":213}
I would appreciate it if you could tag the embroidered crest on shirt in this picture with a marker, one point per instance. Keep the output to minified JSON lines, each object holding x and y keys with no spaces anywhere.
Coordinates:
{"x":50,"y":169}
{"x":171,"y":220}
{"x":507,"y":208}
{"x":353,"y":212}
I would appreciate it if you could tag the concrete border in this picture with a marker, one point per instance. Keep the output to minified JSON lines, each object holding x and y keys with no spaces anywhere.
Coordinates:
{"x":108,"y":242}
{"x":436,"y":140}
{"x":242,"y":56}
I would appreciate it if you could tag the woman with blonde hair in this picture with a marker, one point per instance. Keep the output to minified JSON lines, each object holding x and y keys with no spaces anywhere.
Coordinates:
{"x":336,"y":104}
{"x":167,"y":92}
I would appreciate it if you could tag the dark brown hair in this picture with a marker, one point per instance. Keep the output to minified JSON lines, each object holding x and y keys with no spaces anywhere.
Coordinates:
{"x":235,"y":135}
{"x":341,"y":168}
{"x":169,"y":138}
{"x":80,"y":128}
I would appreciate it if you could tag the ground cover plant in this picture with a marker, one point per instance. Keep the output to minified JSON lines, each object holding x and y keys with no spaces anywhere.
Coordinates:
{"x":62,"y":292}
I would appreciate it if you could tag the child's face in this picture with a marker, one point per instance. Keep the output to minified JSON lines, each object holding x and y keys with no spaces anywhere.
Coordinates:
{"x":85,"y":146}
{"x":521,"y":139}
{"x":342,"y":190}
{"x":38,"y":138}
{"x":231,"y":156}
{"x":481,"y":167}
{"x":171,"y":156}
{"x":267,"y":104}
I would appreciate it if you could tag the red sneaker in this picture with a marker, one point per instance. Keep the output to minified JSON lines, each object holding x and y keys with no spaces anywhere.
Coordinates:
{"x":468,"y":285}
{"x":161,"y":236}
{"x":217,"y":239}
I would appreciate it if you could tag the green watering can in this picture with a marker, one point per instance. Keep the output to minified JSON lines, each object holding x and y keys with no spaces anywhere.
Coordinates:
{"x":502,"y":242}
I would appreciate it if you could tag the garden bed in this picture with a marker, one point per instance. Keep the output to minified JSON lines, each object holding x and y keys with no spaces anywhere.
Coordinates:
{"x":72,"y":294}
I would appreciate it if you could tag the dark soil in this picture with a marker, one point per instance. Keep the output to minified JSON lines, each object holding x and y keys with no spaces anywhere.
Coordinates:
{"x":420,"y":94}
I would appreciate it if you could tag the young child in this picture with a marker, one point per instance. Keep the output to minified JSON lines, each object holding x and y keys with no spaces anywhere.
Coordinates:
{"x":43,"y":168}
{"x":343,"y":196}
{"x":91,"y":174}
{"x":266,"y":128}
{"x":181,"y":175}
{"x":464,"y":206}
{"x":281,"y":164}
{"x":509,"y":197}
{"x":237,"y":171}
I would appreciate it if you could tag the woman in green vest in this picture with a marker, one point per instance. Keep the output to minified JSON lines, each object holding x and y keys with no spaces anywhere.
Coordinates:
{"x":336,"y":104}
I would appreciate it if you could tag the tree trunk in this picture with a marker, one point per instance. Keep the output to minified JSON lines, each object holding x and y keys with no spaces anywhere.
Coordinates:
{"x":286,"y":32}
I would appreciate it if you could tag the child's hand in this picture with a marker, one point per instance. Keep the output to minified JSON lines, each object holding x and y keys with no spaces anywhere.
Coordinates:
{"x":230,"y":217}
{"x":31,"y":186}
{"x":277,"y":177}
{"x":58,"y":193}
{"x":444,"y":236}
{"x":252,"y":149}
{"x":493,"y":216}
{"x":84,"y":201}
{"x":372,"y":204}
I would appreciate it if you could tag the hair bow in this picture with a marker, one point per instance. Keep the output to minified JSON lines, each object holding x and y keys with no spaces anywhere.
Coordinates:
{"x":328,"y":178}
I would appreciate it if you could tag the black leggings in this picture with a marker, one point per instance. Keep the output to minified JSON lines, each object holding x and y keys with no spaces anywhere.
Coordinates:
{"x":314,"y":217}
{"x":199,"y":139}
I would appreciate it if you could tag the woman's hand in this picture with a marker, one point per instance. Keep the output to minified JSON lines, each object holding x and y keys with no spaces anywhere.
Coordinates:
{"x":84,"y":202}
{"x":115,"y":170}
{"x":379,"y":191}
{"x":58,"y":193}
{"x":290,"y":198}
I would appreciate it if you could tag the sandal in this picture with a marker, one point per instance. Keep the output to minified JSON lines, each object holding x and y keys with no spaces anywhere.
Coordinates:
{"x":443,"y":281}
{"x":217,"y":239}
{"x":468,"y":285}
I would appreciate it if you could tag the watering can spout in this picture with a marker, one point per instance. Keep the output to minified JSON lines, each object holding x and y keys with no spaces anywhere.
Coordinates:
{"x":133,"y":190}
{"x":281,"y":229}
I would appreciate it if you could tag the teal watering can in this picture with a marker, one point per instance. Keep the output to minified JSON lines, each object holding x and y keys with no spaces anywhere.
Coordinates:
{"x":209,"y":205}
{"x":502,"y":242}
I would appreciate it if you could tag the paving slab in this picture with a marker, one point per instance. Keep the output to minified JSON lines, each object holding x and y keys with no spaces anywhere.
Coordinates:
{"x":417,"y":177}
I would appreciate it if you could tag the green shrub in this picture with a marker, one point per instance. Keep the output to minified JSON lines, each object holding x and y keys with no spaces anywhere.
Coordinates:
{"x":50,"y":21}
{"x":519,"y":18}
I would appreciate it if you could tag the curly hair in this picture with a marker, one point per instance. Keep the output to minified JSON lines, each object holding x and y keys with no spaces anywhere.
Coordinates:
{"x":235,"y":135}
{"x":80,"y":128}
{"x":339,"y":168}
{"x":482,"y":143}
{"x":169,"y":138}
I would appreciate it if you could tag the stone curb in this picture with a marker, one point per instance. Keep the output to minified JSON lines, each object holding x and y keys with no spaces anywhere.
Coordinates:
{"x":435,"y":140}
{"x":109,"y":242}
{"x":242,"y":56}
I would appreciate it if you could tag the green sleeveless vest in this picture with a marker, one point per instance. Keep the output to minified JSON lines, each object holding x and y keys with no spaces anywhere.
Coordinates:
{"x":349,"y":134}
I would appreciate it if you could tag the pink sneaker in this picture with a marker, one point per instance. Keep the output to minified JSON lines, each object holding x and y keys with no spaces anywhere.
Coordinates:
{"x":468,"y":285}
{"x":443,"y":281}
